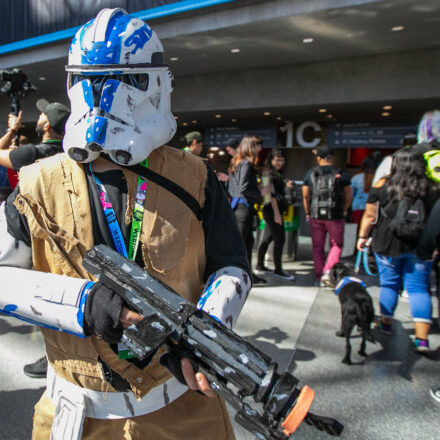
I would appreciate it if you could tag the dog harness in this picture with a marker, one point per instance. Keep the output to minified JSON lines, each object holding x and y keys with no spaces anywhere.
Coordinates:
{"x":347,"y":280}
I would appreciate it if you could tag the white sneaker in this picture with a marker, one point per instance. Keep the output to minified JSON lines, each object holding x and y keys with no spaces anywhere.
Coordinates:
{"x":435,"y":394}
{"x":285,"y":276}
{"x":325,"y":280}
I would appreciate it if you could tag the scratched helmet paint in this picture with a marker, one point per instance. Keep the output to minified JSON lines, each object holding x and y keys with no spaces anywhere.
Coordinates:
{"x":429,"y":127}
{"x":119,"y":90}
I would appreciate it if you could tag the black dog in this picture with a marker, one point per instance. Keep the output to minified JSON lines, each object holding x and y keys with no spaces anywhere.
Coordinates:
{"x":356,"y":306}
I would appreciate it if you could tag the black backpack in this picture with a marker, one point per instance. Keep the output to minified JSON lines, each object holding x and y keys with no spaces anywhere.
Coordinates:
{"x":409,"y":219}
{"x":327,"y":194}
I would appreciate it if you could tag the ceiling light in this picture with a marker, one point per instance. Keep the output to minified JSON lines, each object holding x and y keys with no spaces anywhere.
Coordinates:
{"x":233,"y":120}
{"x":387,"y":107}
{"x":279,"y":118}
{"x":329,"y":116}
{"x":42,"y":78}
{"x":322,"y":110}
{"x":174,"y":59}
{"x":235,"y":50}
{"x":176,"y":117}
{"x":386,"y":113}
{"x":218,"y":116}
{"x":194,"y":122}
{"x":185,"y":123}
{"x":266,"y":113}
{"x":397,"y":28}
{"x":308,"y":40}
{"x":221,"y":153}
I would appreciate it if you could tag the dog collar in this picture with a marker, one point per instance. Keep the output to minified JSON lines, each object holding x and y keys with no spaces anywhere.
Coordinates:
{"x":347,"y":280}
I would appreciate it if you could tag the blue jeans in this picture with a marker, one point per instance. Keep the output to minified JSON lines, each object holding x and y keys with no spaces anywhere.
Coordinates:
{"x":408,"y":272}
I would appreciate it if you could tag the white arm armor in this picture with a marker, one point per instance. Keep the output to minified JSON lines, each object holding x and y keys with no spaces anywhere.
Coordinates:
{"x":44,"y":299}
{"x":225,"y":294}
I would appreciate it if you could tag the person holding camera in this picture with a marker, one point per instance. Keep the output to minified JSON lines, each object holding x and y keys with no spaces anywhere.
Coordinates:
{"x":50,"y":126}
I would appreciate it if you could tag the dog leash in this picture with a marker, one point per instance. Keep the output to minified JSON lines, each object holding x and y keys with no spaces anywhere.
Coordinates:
{"x":362,"y":255}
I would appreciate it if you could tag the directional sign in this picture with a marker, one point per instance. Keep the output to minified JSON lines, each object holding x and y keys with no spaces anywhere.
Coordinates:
{"x":380,"y":134}
{"x":219,"y":136}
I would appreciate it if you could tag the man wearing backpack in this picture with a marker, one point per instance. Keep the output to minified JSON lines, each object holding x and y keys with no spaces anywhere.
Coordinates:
{"x":327,"y":195}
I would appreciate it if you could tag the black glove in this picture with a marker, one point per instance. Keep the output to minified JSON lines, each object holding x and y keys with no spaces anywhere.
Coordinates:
{"x":172,"y":362}
{"x":101,"y":314}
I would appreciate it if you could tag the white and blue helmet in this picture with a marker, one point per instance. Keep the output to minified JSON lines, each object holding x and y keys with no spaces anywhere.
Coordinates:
{"x":119,"y":90}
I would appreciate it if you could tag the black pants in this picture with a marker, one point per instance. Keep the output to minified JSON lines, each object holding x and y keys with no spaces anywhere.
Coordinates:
{"x":244,"y":218}
{"x":272,"y":231}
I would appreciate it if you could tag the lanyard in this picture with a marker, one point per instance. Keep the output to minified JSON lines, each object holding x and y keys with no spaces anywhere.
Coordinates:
{"x":112,"y":221}
{"x":138,"y":214}
{"x":115,"y":229}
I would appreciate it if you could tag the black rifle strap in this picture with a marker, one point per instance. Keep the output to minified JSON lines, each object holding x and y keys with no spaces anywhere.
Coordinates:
{"x":169,"y":185}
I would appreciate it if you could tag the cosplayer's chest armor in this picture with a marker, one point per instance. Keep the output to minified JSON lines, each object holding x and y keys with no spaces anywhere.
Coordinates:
{"x":54,"y":198}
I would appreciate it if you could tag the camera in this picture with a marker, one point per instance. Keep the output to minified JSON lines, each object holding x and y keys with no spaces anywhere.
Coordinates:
{"x":17,"y":85}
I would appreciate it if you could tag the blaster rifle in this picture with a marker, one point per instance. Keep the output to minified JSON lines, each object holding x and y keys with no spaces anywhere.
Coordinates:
{"x":268,"y":404}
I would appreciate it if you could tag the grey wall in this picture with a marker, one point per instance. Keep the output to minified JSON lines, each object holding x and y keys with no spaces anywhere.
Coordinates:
{"x":408,"y":75}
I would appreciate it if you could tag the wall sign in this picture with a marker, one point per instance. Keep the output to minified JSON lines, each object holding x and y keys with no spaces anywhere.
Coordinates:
{"x":219,"y":136}
{"x":314,"y":142}
{"x":380,"y":134}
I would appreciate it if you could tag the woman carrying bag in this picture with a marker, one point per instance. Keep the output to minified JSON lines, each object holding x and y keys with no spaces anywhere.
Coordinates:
{"x":398,"y":207}
{"x":273,"y":210}
{"x":244,"y":191}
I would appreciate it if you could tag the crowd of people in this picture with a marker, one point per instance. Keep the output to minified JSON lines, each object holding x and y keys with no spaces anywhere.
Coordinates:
{"x":394,"y":201}
{"x":175,"y":227}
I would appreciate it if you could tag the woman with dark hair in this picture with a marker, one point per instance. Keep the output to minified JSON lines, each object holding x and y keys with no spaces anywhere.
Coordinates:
{"x":273,"y":213}
{"x":244,"y":191}
{"x":361,"y":184}
{"x":398,"y":265}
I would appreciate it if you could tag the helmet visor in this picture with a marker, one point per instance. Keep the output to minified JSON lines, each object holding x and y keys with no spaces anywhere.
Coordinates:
{"x":138,"y":80}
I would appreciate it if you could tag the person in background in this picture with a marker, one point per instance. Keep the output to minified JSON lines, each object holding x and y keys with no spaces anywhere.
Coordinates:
{"x":50,"y":127}
{"x":194,"y":142}
{"x":244,"y":191}
{"x":361,"y":184}
{"x":426,"y":250}
{"x":232,"y":146}
{"x":273,"y":210}
{"x":231,"y":149}
{"x":396,"y":258}
{"x":428,"y":132}
{"x":327,"y":195}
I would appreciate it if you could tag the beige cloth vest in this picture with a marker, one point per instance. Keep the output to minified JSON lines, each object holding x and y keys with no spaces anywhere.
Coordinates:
{"x":54,"y":198}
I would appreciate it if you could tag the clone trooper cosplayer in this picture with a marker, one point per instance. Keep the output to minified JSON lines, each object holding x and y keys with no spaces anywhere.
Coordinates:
{"x":64,"y":205}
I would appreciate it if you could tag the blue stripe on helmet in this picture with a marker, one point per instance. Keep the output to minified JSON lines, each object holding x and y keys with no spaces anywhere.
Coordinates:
{"x":88,"y":93}
{"x":108,"y":93}
{"x":97,"y":130}
{"x":108,"y":51}
{"x":139,"y":38}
